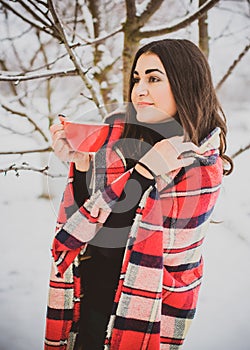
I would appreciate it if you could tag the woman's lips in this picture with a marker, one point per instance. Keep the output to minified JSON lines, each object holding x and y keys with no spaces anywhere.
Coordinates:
{"x":144,"y":104}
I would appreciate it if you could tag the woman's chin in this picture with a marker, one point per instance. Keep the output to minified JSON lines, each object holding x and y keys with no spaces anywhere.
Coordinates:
{"x":151,"y":115}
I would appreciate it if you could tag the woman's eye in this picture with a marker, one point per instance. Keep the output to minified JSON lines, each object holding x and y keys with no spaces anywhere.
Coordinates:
{"x":153,"y":79}
{"x":135,"y":80}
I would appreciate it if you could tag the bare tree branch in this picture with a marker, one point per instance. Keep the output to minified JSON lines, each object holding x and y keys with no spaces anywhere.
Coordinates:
{"x":26,"y":166}
{"x":240,"y":151}
{"x":39,"y":150}
{"x":12,"y":86}
{"x":51,"y":63}
{"x":72,"y":54}
{"x":16,"y":132}
{"x":47,"y":29}
{"x":9,"y":38}
{"x":94,"y":10}
{"x":183,"y":23}
{"x":102,"y":38}
{"x":35,"y":15}
{"x":34,"y":3}
{"x":48,"y":81}
{"x":232,"y":67}
{"x":75,"y":19}
{"x":151,"y":8}
{"x":24,"y":115}
{"x":52,"y":74}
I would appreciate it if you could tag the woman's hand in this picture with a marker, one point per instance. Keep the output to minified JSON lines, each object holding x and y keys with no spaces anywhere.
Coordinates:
{"x":65,"y":152}
{"x":165,"y":156}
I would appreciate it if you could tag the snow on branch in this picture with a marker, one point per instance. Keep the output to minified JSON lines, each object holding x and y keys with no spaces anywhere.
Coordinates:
{"x":232,"y":67}
{"x":43,"y":26}
{"x":151,"y":7}
{"x":144,"y":33}
{"x":45,"y":20}
{"x":51,"y":74}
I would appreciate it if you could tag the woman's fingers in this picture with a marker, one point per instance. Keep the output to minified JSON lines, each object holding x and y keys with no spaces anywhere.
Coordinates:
{"x":179,"y":146}
{"x":62,"y":150}
{"x":59,"y":143}
{"x":58,"y":134}
{"x":169,"y":154}
{"x":55,"y":127}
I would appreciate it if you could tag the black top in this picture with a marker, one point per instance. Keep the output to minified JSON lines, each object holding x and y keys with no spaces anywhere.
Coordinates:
{"x":100,"y":273}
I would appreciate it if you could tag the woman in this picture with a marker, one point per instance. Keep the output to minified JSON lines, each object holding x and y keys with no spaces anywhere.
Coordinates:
{"x":127,"y":252}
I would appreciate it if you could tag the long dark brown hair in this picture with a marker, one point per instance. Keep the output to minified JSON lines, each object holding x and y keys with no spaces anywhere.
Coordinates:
{"x":189,"y":75}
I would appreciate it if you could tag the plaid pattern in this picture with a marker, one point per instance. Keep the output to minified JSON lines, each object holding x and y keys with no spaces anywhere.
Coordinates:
{"x":162,"y":266}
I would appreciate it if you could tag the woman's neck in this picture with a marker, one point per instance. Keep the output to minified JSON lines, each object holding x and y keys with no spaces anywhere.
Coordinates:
{"x":159,"y":131}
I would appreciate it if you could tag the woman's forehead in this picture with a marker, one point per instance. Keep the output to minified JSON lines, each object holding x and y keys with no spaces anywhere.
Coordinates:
{"x":149,"y":61}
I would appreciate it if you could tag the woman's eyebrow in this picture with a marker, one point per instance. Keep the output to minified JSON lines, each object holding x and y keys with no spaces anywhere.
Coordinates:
{"x":148,"y":71}
{"x":153,"y":70}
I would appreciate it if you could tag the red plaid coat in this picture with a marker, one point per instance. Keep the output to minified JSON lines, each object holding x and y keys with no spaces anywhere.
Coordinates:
{"x":162,"y":267}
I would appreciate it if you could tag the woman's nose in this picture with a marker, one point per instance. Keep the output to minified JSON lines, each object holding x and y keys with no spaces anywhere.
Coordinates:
{"x":141,"y":90}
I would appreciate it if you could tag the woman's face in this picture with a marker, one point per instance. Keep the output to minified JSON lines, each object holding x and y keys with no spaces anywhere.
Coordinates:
{"x":151,"y":95}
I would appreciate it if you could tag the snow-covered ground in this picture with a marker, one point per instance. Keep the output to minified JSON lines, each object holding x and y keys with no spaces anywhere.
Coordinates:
{"x":27,"y":227}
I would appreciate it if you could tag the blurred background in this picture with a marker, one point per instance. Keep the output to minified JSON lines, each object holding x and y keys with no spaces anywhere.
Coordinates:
{"x":73,"y":57}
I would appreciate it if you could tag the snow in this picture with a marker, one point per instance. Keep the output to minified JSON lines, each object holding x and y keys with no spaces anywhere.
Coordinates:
{"x":25,"y":258}
{"x":28,"y":222}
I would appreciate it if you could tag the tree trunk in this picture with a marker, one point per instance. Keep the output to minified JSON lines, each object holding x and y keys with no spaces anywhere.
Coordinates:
{"x":203,"y":32}
{"x":130,"y":48}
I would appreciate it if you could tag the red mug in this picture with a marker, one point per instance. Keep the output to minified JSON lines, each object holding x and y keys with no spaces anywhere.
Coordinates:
{"x":85,"y":137}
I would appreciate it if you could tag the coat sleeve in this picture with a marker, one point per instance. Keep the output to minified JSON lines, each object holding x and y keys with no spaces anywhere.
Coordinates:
{"x":76,"y":227}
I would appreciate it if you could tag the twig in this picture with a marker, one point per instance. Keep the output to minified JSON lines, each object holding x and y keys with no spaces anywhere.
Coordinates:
{"x":18,"y":36}
{"x":24,"y":115}
{"x":39,"y":150}
{"x":182,"y":24}
{"x":35,"y":15}
{"x":48,"y":30}
{"x":231,"y":68}
{"x":75,"y":19}
{"x":102,"y":38}
{"x":241,"y":150}
{"x":15,"y":131}
{"x":39,"y":10}
{"x":72,"y":54}
{"x":12,"y":86}
{"x":150,"y":9}
{"x":52,"y":74}
{"x":27,"y":167}
{"x":37,"y":69}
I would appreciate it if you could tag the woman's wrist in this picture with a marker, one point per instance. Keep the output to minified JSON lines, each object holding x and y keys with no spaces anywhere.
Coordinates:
{"x":81,"y":167}
{"x":82,"y":162}
{"x":144,"y":171}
